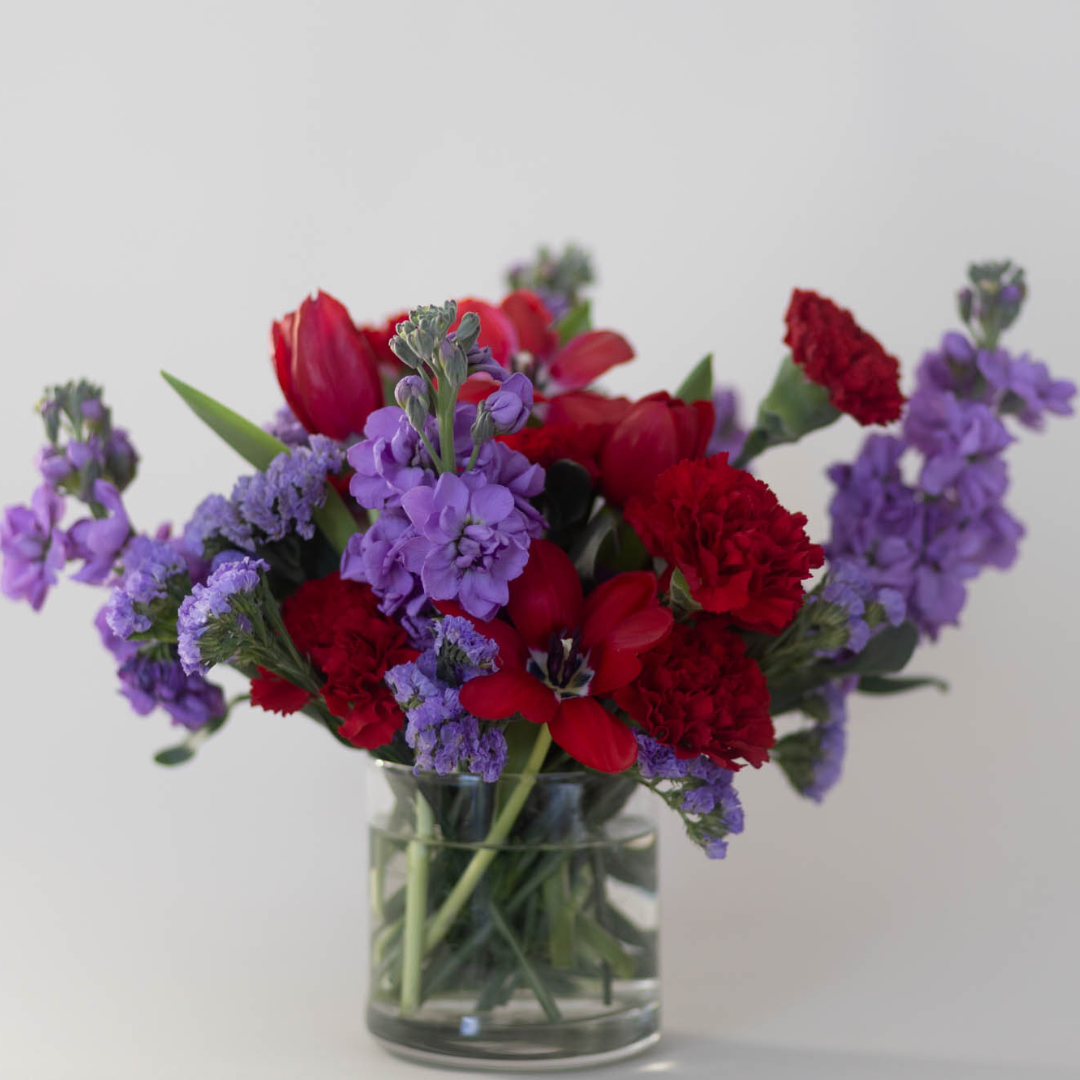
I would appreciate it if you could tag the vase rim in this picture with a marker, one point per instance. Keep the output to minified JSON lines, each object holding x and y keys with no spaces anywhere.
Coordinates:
{"x":472,"y":778}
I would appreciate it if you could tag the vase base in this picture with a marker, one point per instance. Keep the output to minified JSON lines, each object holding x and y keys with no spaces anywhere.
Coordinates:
{"x":535,"y":1048}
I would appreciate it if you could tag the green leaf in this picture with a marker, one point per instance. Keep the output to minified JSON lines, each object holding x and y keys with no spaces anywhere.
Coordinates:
{"x":607,"y":946}
{"x":622,"y":549}
{"x":576,"y":321}
{"x":679,"y":589}
{"x":260,"y":448}
{"x":880,"y":684}
{"x":247,"y":439}
{"x":568,"y":494}
{"x":698,"y":385}
{"x":175,"y":755}
{"x":885,"y":653}
{"x":798,"y":755}
{"x":586,"y":548}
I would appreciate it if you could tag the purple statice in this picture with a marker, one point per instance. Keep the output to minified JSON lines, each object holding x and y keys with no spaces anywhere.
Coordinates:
{"x":99,"y":541}
{"x":284,"y":497}
{"x":444,"y":737}
{"x":148,"y":566}
{"x":728,"y":433}
{"x":119,"y":647}
{"x":471,"y":541}
{"x":188,"y":698}
{"x":831,"y":740}
{"x":34,"y":546}
{"x":286,"y":428}
{"x":699,"y":789}
{"x":214,"y":517}
{"x":861,"y":605}
{"x":213,"y":603}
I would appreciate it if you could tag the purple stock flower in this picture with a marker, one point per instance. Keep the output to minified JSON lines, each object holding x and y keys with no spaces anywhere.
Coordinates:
{"x":378,"y":557}
{"x":511,"y":405}
{"x":1026,"y":386}
{"x":213,"y":601}
{"x":728,"y":433}
{"x":470,"y":542}
{"x":99,"y":541}
{"x":188,"y":698}
{"x":34,"y":546}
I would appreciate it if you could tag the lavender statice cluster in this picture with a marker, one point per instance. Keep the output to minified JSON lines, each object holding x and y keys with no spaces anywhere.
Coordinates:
{"x":444,"y":737}
{"x":849,"y":607}
{"x":928,"y":536}
{"x":152,"y":570}
{"x":813,"y":758}
{"x":698,"y":789}
{"x":269,"y":505}
{"x":287,"y":429}
{"x":215,"y":620}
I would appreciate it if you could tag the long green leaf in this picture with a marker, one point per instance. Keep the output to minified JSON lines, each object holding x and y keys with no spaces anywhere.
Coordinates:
{"x":260,"y":448}
{"x":886,"y":652}
{"x":698,"y":385}
{"x":880,"y":684}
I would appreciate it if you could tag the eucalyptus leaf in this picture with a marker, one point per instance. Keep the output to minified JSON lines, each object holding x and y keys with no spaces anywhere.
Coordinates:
{"x":698,"y":385}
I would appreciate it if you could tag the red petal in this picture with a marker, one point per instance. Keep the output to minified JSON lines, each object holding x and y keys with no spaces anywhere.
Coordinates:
{"x":546,"y":597}
{"x":586,"y":407}
{"x":281,"y":341}
{"x":532,"y":323}
{"x":590,"y":734}
{"x":275,"y":694}
{"x":586,"y":357}
{"x":378,"y":339}
{"x":495,"y":697}
{"x":618,"y":598}
{"x":643,"y":445}
{"x":334,"y":372}
{"x":706,"y":421}
{"x":477,"y":389}
{"x":496,"y":330}
{"x":613,"y":669}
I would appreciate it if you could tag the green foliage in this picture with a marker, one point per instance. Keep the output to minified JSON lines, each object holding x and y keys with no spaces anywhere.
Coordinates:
{"x":882,"y":684}
{"x":698,"y":385}
{"x":578,"y":320}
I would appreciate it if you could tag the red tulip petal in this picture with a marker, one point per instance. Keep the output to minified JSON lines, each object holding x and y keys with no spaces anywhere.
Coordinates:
{"x":641,"y":631}
{"x":281,"y":341}
{"x":334,"y":371}
{"x":586,"y":407}
{"x":476,"y":389}
{"x":613,"y":668}
{"x":706,"y":421}
{"x":615,"y":600}
{"x":643,"y":445}
{"x":586,"y":357}
{"x":496,"y":330}
{"x":495,"y":697}
{"x":532,"y":323}
{"x":591,"y":735}
{"x":546,"y":597}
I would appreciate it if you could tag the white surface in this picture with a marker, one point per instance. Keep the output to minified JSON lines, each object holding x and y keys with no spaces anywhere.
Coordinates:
{"x":174,"y":176}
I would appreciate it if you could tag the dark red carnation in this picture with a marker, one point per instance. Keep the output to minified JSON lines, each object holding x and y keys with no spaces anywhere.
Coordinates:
{"x":336,"y":624}
{"x":560,"y":442}
{"x":743,"y":554}
{"x":699,"y":693}
{"x":863,"y":380}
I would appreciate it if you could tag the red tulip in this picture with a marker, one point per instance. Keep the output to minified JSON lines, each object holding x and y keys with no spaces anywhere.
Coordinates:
{"x":496,"y":330}
{"x":582,"y":360}
{"x":657,"y":432}
{"x":564,"y":650}
{"x":378,"y":338}
{"x":326,"y":368}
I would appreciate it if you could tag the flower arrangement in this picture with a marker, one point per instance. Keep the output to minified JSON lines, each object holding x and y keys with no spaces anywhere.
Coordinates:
{"x":459,"y":554}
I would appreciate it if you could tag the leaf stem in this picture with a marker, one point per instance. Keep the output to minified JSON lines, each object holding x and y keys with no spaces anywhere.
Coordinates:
{"x":416,"y":906}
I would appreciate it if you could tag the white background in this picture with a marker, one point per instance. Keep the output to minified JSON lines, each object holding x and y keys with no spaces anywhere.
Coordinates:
{"x":172,"y":177}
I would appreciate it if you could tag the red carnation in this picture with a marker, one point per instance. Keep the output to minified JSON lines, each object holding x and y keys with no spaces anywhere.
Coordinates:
{"x":834,"y":351}
{"x":560,"y":442}
{"x":337,"y":625}
{"x":699,"y":693}
{"x":742,"y":554}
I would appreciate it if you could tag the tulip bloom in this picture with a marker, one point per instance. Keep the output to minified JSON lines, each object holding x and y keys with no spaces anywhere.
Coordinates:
{"x":565,"y":650}
{"x":657,"y":432}
{"x":326,"y":368}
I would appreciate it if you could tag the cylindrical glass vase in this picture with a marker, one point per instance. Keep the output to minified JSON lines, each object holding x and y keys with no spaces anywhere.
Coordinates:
{"x":513,"y":924}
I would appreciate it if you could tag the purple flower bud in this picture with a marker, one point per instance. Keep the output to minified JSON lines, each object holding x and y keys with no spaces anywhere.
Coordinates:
{"x":54,"y":466}
{"x":511,"y":405}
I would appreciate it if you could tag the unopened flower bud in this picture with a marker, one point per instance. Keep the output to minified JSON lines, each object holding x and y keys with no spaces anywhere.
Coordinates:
{"x":455,"y":361}
{"x":411,"y":393}
{"x":483,"y":427}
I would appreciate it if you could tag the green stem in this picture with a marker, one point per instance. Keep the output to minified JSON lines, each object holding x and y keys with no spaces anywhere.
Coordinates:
{"x":416,"y":906}
{"x":500,"y":829}
{"x":536,"y":984}
{"x":755,"y":442}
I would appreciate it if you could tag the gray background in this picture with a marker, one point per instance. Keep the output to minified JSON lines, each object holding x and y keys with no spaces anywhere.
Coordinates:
{"x":174,"y":176}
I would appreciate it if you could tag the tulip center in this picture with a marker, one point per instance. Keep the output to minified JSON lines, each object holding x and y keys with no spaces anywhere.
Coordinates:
{"x":564,"y":667}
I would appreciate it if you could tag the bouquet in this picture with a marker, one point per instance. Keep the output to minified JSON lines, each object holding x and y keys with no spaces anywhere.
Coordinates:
{"x":459,"y":554}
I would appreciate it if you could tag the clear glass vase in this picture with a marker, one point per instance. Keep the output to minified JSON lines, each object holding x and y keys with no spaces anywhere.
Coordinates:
{"x":513,"y":924}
